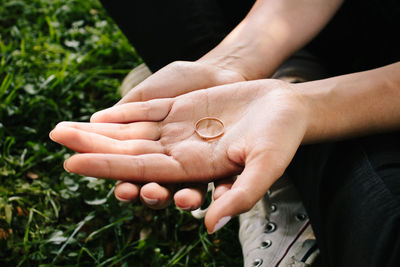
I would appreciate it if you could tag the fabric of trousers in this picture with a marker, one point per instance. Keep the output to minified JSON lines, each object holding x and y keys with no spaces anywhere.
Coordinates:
{"x":351,"y":189}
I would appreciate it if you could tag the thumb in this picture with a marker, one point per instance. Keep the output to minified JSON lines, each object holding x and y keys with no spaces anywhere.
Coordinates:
{"x":255,"y":180}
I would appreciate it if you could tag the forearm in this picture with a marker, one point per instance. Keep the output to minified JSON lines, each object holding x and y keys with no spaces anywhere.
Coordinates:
{"x":353,"y":105}
{"x":272,"y":31}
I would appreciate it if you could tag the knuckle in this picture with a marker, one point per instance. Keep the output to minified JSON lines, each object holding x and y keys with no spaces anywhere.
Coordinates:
{"x":145,"y":109}
{"x":141,"y":168}
{"x":140,"y":94}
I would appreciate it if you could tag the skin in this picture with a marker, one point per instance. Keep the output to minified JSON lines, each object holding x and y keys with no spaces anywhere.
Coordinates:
{"x":171,"y":81}
{"x":265,"y":123}
{"x":179,"y":154}
{"x":270,"y":33}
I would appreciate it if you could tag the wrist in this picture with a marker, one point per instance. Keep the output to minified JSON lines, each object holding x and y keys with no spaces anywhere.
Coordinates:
{"x":244,"y":58}
{"x":315,"y":113}
{"x":270,"y":33}
{"x":226,"y":62}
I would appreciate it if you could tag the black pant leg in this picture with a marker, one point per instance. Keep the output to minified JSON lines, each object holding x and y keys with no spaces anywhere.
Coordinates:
{"x":351,"y":191}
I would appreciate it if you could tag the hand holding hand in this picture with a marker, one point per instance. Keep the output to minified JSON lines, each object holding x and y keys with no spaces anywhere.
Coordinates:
{"x":175,"y":79}
{"x":155,"y":141}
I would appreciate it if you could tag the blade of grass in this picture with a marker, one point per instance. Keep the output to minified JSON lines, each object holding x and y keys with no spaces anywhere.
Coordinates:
{"x":5,"y":84}
{"x":94,"y":233}
{"x":89,"y":217}
{"x":117,"y":259}
{"x":181,"y":253}
{"x":87,"y":252}
{"x":26,"y":238}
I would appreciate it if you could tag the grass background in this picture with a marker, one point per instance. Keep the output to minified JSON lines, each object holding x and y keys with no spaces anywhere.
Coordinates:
{"x":63,"y":60}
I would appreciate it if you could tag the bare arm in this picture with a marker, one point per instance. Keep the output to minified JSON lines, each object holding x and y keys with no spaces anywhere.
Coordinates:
{"x":354,"y":104}
{"x":265,"y":122}
{"x":272,"y":31}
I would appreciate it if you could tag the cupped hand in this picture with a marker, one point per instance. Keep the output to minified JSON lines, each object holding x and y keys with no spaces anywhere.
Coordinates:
{"x":175,"y":79}
{"x":265,"y":122}
{"x":181,"y":77}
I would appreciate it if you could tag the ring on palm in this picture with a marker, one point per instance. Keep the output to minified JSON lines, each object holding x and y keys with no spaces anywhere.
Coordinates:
{"x":209,"y":128}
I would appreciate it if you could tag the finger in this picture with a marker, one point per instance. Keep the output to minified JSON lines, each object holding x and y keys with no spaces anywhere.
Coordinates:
{"x":141,"y":169}
{"x":191,"y":197}
{"x":161,"y":84}
{"x":137,"y":130}
{"x":172,"y":81}
{"x":222,"y":186}
{"x":153,"y":110}
{"x":250,"y":186}
{"x":152,"y":194}
{"x":156,"y":196}
{"x":126,"y":192}
{"x":87,"y":142}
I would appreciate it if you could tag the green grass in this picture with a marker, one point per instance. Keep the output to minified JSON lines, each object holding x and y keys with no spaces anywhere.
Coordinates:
{"x":63,"y":60}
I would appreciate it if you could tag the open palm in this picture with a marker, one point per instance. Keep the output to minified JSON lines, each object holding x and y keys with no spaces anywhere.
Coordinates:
{"x":156,"y":141}
{"x":173,"y":80}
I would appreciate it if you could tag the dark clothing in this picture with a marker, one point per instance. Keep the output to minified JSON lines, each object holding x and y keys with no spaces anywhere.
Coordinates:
{"x":362,"y":35}
{"x":166,"y":31}
{"x":351,"y":189}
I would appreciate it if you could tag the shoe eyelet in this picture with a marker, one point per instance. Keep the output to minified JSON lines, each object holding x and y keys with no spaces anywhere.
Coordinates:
{"x":301,"y":217}
{"x":273,"y":208}
{"x":257,"y":262}
{"x":270,"y":227}
{"x":266,"y":244}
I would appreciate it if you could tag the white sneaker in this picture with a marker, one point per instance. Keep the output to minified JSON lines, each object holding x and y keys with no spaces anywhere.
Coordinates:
{"x":276,"y":231}
{"x":201,"y":213}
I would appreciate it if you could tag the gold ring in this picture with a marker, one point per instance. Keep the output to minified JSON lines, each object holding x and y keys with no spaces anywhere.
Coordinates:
{"x":209,"y":137}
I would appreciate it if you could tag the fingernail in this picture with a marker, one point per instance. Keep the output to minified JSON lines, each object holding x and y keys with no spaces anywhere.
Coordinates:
{"x":221,"y":223}
{"x":51,"y":136}
{"x":122,"y":199}
{"x":150,"y":201}
{"x":65,"y":167}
